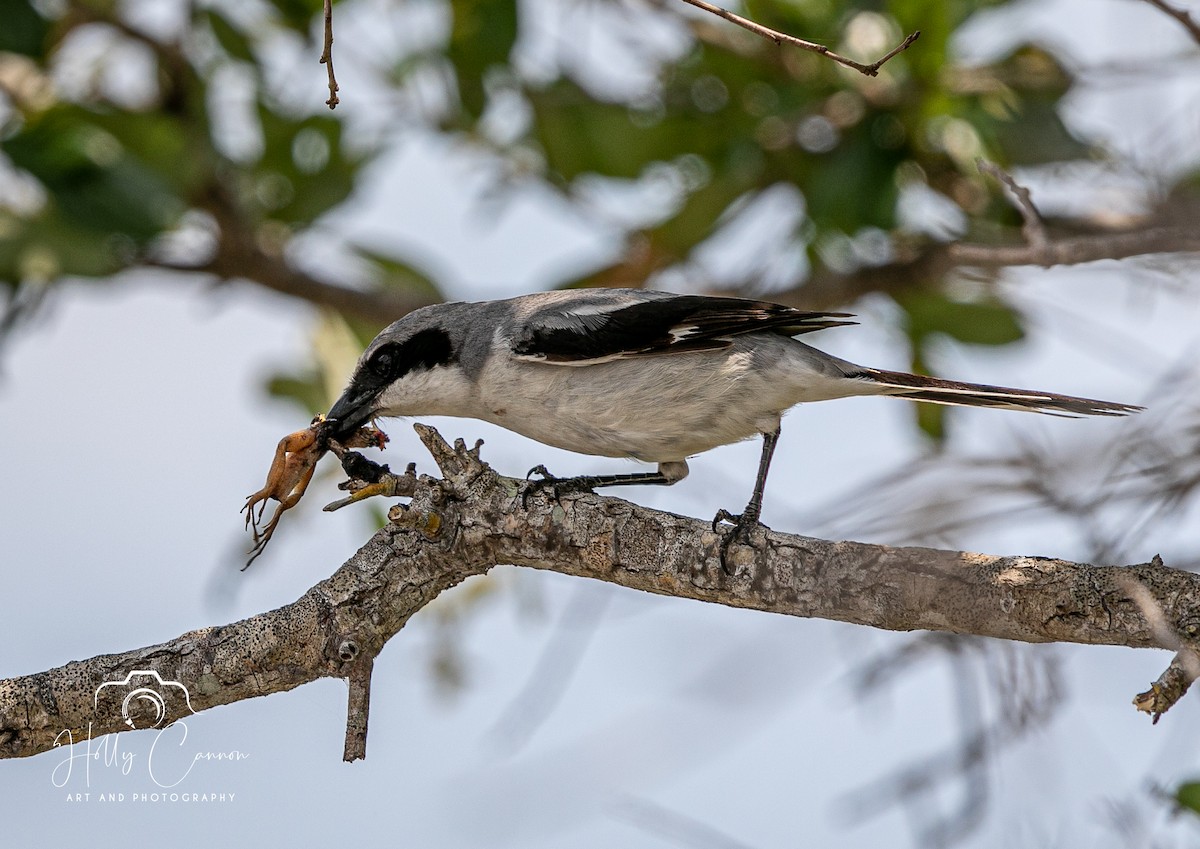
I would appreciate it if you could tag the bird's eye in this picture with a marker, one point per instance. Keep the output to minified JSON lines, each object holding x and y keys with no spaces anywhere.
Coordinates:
{"x":382,"y":362}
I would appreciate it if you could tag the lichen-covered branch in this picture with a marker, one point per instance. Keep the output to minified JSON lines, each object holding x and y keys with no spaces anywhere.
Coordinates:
{"x":1170,"y":687}
{"x":473,"y":519}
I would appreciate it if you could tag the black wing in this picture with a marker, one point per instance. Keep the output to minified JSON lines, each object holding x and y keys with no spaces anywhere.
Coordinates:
{"x":586,"y":332}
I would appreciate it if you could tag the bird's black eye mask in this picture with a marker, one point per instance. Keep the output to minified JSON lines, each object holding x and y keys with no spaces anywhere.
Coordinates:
{"x":423,"y":350}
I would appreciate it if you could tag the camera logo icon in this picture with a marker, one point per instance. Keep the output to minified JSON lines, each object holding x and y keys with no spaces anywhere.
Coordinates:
{"x":142,"y":689}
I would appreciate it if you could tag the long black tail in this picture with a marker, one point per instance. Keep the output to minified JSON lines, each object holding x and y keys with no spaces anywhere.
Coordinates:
{"x":937,"y":391}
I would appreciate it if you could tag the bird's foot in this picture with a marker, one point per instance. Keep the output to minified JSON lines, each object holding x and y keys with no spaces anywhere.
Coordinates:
{"x":742,"y":525}
{"x":367,"y":479}
{"x":558,"y":487}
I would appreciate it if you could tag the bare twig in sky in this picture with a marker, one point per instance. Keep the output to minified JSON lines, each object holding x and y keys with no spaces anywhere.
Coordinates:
{"x":1182,"y":15}
{"x":327,"y":56}
{"x":1034,"y":228}
{"x":783,"y":38}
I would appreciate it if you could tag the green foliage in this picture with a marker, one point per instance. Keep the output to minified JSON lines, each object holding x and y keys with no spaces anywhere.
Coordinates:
{"x":397,"y":273}
{"x":232,"y":40}
{"x":305,"y":389}
{"x":104,"y":200}
{"x":1187,"y":796}
{"x":1016,"y":115}
{"x":299,"y":15}
{"x":24,"y":31}
{"x":989,"y":322}
{"x":929,"y":314}
{"x":482,"y":37}
{"x":304,"y":169}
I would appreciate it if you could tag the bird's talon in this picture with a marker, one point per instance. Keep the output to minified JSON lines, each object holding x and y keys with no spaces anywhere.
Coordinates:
{"x":558,"y":487}
{"x":724,"y":516}
{"x":533,"y":486}
{"x":742,"y":525}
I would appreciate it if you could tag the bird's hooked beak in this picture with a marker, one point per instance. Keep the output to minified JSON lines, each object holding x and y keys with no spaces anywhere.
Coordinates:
{"x":354,"y":409}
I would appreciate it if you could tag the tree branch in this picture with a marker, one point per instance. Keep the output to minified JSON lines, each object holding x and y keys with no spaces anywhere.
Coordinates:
{"x":826,"y":288}
{"x":239,"y":256}
{"x":1034,"y":228}
{"x":778,"y":37}
{"x":1078,"y":249}
{"x":1170,"y":687}
{"x":327,"y":56}
{"x":474,"y":519}
{"x":1182,"y":15}
{"x":378,"y":306}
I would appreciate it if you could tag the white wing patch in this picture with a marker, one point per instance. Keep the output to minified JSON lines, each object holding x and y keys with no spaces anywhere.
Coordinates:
{"x":542,"y":358}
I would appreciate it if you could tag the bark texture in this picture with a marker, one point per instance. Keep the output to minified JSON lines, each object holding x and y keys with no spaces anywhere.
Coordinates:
{"x":473,"y":519}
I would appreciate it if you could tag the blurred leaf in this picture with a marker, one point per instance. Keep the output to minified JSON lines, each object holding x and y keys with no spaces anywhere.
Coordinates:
{"x":853,"y":186}
{"x":23,"y":29}
{"x":695,"y":219}
{"x":976,"y":322}
{"x":582,"y":136}
{"x":231,"y":39}
{"x":931,"y":420}
{"x":299,"y":14}
{"x":398,"y":274}
{"x":1033,"y":135}
{"x":1015,"y":109}
{"x":307,"y":390}
{"x":47,"y":247}
{"x":165,"y":144}
{"x":928,"y":313}
{"x":304,"y":170}
{"x":482,"y":36}
{"x":93,"y":180}
{"x":336,"y":348}
{"x":1187,"y":796}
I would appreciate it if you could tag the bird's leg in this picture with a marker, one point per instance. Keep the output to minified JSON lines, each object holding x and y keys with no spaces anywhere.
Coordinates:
{"x":747,"y":521}
{"x":667,"y":474}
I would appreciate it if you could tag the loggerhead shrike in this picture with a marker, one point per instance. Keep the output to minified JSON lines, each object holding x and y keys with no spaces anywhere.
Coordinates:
{"x":631,"y":373}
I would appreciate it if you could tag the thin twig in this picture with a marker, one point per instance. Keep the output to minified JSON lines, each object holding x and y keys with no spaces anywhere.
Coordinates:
{"x":870,"y":70}
{"x":1034,"y":228}
{"x":1169,"y":688}
{"x":379,"y":305}
{"x":827,"y":288}
{"x":1185,"y":666}
{"x":1077,"y":250}
{"x":327,"y":56}
{"x":358,"y":709}
{"x":1182,"y":15}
